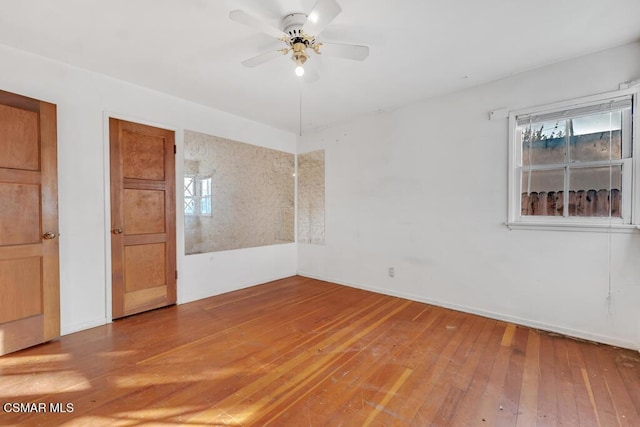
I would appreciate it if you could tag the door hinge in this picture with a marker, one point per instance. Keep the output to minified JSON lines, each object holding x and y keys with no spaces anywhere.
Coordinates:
{"x":176,"y":274}
{"x":174,"y":150}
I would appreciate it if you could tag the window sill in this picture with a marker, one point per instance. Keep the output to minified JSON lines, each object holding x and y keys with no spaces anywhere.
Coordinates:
{"x":573,"y":226}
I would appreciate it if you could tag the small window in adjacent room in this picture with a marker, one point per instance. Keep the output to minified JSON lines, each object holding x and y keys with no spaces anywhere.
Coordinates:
{"x":197,"y":195}
{"x":572,"y":163}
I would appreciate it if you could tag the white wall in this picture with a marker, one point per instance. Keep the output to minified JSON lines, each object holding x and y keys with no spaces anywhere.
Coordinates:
{"x":84,"y":99}
{"x":423,"y":189}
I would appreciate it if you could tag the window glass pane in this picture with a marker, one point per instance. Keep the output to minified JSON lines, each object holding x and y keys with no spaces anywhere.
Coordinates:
{"x":205,"y":206}
{"x":189,"y":187}
{"x":204,"y":195}
{"x":189,"y":194}
{"x":544,"y":143}
{"x":205,"y":186}
{"x":542,"y":192}
{"x":589,"y":193}
{"x":596,"y":137}
{"x":189,"y":206}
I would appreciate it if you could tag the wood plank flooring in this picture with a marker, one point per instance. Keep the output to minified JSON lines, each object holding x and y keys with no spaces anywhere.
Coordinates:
{"x":301,"y":352}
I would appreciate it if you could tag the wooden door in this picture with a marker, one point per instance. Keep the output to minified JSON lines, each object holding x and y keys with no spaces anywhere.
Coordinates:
{"x":143,"y":237}
{"x":29,"y":271}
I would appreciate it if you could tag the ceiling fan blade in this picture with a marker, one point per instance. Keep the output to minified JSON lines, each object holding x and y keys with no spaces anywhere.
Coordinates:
{"x":256,"y":23}
{"x":347,"y":51}
{"x":262,"y":58}
{"x":322,"y":14}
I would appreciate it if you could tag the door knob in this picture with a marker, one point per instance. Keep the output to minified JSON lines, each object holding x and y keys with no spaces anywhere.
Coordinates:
{"x":117,"y":231}
{"x":49,"y":235}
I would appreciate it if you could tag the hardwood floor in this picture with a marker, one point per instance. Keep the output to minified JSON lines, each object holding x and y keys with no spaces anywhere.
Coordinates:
{"x":301,"y":352}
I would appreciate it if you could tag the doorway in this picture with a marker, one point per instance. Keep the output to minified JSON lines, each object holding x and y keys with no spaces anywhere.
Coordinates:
{"x":143,"y":217}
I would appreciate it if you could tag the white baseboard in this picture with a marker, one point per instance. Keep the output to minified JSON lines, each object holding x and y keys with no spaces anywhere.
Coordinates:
{"x":486,"y":313}
{"x":77,"y":327}
{"x":187,"y":299}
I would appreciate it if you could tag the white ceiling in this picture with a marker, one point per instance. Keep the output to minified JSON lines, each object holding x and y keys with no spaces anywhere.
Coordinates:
{"x":418,"y":48}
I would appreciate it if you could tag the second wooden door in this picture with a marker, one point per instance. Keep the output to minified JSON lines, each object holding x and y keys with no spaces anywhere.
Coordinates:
{"x":143,"y":242}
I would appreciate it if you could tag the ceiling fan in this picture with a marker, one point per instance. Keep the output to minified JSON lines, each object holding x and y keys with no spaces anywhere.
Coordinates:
{"x":298,"y":32}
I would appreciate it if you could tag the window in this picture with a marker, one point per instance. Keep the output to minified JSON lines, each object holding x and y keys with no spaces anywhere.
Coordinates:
{"x":197,"y":195}
{"x":571,"y":163}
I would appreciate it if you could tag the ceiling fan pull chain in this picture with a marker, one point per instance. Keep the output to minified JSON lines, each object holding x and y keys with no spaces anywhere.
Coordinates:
{"x":300,"y":112}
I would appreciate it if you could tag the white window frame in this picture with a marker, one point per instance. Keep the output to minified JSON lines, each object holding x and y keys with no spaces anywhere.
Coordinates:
{"x":630,"y":184}
{"x":198,"y":197}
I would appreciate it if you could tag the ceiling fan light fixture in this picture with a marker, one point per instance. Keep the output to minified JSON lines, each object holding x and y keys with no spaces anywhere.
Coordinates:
{"x":298,"y":31}
{"x":299,"y":56}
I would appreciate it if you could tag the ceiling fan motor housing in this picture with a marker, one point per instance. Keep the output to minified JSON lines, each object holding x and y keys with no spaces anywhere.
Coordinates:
{"x":292,"y":24}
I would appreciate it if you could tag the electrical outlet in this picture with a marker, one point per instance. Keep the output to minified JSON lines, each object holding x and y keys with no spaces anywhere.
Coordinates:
{"x":392,"y":272}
